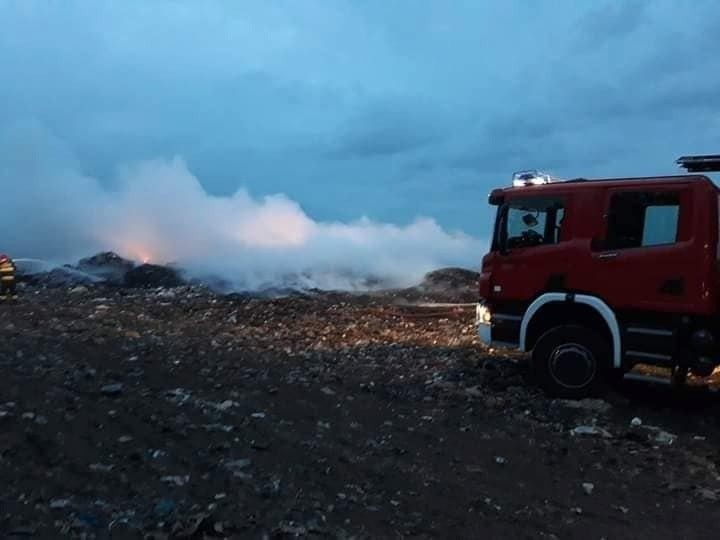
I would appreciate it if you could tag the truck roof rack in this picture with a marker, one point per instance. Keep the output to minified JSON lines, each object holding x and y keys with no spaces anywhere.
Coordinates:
{"x":706,"y":163}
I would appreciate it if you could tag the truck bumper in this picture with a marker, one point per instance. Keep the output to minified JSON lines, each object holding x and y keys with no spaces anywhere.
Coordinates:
{"x":484,"y":332}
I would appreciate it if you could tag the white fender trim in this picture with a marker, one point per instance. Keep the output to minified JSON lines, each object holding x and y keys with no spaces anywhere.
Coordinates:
{"x":598,"y":305}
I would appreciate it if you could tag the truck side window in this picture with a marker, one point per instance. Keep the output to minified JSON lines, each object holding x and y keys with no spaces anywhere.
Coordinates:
{"x":641,"y":219}
{"x":533,"y":222}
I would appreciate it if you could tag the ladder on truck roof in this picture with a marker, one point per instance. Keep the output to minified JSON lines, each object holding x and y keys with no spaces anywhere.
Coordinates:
{"x":707,"y":163}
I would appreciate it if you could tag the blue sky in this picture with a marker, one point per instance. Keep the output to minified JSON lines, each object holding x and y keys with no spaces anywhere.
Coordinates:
{"x":389,"y":110}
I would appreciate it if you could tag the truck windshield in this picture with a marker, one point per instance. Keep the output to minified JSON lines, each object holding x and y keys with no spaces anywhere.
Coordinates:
{"x":529,"y":222}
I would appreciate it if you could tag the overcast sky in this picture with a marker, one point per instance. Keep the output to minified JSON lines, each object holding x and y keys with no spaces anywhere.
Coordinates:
{"x":385,"y":109}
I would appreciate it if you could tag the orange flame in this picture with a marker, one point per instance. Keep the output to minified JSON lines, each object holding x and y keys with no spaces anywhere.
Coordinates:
{"x":133,"y":251}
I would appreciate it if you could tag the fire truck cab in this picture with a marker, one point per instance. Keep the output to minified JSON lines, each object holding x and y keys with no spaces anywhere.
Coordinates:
{"x":595,"y":276}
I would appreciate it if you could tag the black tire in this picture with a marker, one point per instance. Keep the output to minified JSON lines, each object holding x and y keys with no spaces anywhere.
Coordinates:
{"x":571,"y":362}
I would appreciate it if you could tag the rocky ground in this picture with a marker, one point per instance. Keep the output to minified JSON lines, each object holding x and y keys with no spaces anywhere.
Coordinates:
{"x":180,"y":413}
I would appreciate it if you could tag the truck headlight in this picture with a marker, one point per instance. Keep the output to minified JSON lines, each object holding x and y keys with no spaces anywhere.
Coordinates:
{"x":482,"y":314}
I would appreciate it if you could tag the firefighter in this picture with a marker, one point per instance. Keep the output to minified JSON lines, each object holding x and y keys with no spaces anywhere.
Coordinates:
{"x":7,"y":278}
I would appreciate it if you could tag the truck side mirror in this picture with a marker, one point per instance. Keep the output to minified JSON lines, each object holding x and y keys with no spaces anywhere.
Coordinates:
{"x":530,"y":221}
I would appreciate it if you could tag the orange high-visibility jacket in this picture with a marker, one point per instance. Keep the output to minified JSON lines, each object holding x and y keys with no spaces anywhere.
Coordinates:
{"x":7,"y":270}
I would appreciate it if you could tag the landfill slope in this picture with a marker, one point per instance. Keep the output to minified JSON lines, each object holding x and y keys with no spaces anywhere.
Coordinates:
{"x":180,"y":413}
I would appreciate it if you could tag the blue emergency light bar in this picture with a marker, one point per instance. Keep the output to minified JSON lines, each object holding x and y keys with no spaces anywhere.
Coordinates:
{"x":531,"y":178}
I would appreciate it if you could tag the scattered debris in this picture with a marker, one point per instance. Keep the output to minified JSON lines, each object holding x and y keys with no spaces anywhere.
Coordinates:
{"x":164,"y":508}
{"x":237,"y":464}
{"x":709,"y":494}
{"x":622,"y":509}
{"x":135,"y":412}
{"x":100,"y":467}
{"x":114,"y":389}
{"x":176,"y":480}
{"x":591,"y":430}
{"x":659,"y":435}
{"x":593,"y":405}
{"x":663,"y":437}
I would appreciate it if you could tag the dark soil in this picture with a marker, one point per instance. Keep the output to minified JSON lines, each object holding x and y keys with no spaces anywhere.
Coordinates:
{"x":179,"y":413}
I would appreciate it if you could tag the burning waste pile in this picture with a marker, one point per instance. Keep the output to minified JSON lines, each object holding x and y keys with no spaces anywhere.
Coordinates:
{"x":105,"y":268}
{"x":108,"y":269}
{"x":160,"y":216}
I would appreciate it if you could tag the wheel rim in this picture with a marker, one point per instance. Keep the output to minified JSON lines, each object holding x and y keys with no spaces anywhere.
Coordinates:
{"x":572,"y":365}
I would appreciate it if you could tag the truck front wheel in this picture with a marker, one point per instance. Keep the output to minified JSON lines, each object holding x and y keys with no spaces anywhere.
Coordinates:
{"x":570,"y":361}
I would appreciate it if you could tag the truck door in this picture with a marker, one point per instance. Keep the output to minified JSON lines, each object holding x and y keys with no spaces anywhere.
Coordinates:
{"x":530,"y":257}
{"x":647,"y":258}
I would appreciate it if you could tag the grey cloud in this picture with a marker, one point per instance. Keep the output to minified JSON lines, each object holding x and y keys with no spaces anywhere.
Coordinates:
{"x":610,"y":21}
{"x":386,"y":128}
{"x":686,"y":51}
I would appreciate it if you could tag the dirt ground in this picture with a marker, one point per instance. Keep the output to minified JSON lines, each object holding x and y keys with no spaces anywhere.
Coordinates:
{"x":182,"y":414}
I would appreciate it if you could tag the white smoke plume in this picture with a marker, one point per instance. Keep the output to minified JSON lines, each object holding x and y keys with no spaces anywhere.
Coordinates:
{"x":157,"y":211}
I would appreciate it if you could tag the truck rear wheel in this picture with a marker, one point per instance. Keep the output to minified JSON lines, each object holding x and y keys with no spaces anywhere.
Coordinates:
{"x":570,"y":361}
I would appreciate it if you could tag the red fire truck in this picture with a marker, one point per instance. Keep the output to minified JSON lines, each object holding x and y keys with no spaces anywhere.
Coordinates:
{"x":593,"y":277}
